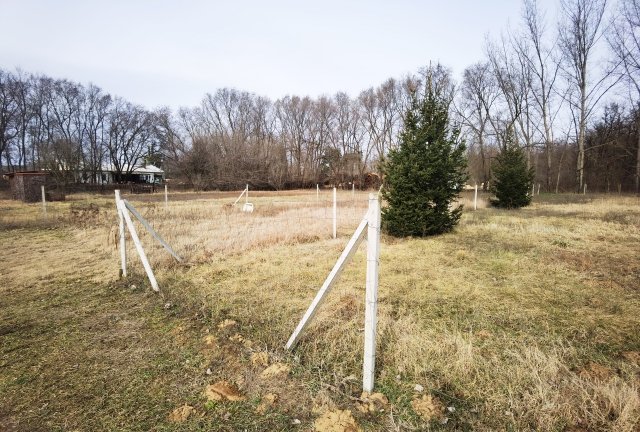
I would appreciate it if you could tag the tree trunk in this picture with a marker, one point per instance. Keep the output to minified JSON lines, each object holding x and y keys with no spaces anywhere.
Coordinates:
{"x":638,"y":161}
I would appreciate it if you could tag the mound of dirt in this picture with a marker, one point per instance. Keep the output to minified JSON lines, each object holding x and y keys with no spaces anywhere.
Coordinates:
{"x":336,"y":421}
{"x":428,"y":407}
{"x":180,"y":414}
{"x":222,"y":390}
{"x":370,"y":403}
{"x":275,"y":370}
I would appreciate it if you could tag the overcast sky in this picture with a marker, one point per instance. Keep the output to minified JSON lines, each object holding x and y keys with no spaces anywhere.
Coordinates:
{"x":173,"y":52}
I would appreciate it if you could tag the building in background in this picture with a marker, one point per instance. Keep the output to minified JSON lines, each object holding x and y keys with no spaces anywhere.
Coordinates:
{"x":26,"y":185}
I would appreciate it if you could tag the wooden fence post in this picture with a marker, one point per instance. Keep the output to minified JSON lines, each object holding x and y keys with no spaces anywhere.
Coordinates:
{"x":371,"y":302}
{"x":123,"y":249}
{"x":166,"y":198}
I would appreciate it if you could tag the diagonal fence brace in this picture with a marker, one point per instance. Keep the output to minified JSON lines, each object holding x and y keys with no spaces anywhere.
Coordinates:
{"x":151,"y":230}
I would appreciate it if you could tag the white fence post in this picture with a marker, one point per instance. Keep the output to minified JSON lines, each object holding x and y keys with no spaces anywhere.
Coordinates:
{"x":123,"y":250}
{"x":371,"y":302}
{"x":538,"y":188}
{"x":318,"y":192}
{"x":44,"y":201}
{"x":533,"y":190}
{"x":585,"y":189}
{"x":335,"y":213}
{"x":475,"y":198}
{"x":246,"y":197}
{"x":166,"y":198}
{"x":136,"y":241}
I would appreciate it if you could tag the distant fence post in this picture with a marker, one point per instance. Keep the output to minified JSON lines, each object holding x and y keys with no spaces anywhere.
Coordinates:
{"x":584,"y":191}
{"x":335,"y":213}
{"x":246,"y":197}
{"x":318,"y":192}
{"x":533,"y":190}
{"x":538,"y":188}
{"x":371,"y":295}
{"x":123,"y":250}
{"x":44,"y":201}
{"x":475,"y":198}
{"x":166,"y":198}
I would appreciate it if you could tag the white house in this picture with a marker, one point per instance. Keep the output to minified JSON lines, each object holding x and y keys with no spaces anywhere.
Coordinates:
{"x":143,"y":174}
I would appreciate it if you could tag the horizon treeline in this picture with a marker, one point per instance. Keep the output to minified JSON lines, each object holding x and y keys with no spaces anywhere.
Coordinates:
{"x":570,"y":91}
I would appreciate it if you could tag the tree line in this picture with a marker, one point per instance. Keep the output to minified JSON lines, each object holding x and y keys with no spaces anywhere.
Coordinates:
{"x":569,"y":90}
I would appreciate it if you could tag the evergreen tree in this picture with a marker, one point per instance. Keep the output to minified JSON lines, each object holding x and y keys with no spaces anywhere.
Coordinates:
{"x":512,"y":180}
{"x":423,"y":177}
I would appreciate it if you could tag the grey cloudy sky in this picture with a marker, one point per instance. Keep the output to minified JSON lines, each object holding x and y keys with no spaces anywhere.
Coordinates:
{"x":172,"y":52}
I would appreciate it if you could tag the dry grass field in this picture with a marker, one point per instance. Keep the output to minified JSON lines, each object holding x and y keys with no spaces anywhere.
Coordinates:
{"x":518,"y":320}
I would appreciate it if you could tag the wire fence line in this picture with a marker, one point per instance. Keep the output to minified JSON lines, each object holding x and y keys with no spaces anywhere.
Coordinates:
{"x":202,"y":228}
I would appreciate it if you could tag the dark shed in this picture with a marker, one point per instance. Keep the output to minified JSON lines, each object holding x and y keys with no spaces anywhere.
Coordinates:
{"x":25,"y":185}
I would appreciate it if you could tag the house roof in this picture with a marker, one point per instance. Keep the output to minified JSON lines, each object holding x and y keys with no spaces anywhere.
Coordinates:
{"x":147,"y":169}
{"x":25,"y":173}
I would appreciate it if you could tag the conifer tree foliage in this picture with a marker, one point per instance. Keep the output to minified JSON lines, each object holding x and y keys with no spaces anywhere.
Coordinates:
{"x":425,"y":174}
{"x":512,"y":180}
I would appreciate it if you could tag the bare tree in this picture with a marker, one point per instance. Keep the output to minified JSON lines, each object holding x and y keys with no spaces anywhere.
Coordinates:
{"x":544,"y":66}
{"x":478,"y":94}
{"x":581,"y":28}
{"x":624,"y":41}
{"x":94,"y":114}
{"x":130,"y":134}
{"x":294,"y":115}
{"x":9,"y":111}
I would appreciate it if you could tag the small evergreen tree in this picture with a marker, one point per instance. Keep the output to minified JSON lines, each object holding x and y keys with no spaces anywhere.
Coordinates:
{"x":424,"y":176}
{"x":512,"y":180}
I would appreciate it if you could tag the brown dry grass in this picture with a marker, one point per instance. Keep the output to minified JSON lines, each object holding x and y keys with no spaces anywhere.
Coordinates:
{"x":510,"y":320}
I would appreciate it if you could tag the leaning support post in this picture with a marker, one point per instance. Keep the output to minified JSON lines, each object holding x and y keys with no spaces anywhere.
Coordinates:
{"x":475,"y":198}
{"x":123,"y":249}
{"x":44,"y":200}
{"x":136,"y":241}
{"x":371,"y":305}
{"x":244,"y":191}
{"x":335,"y":213}
{"x":346,"y":256}
{"x":143,"y":221}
